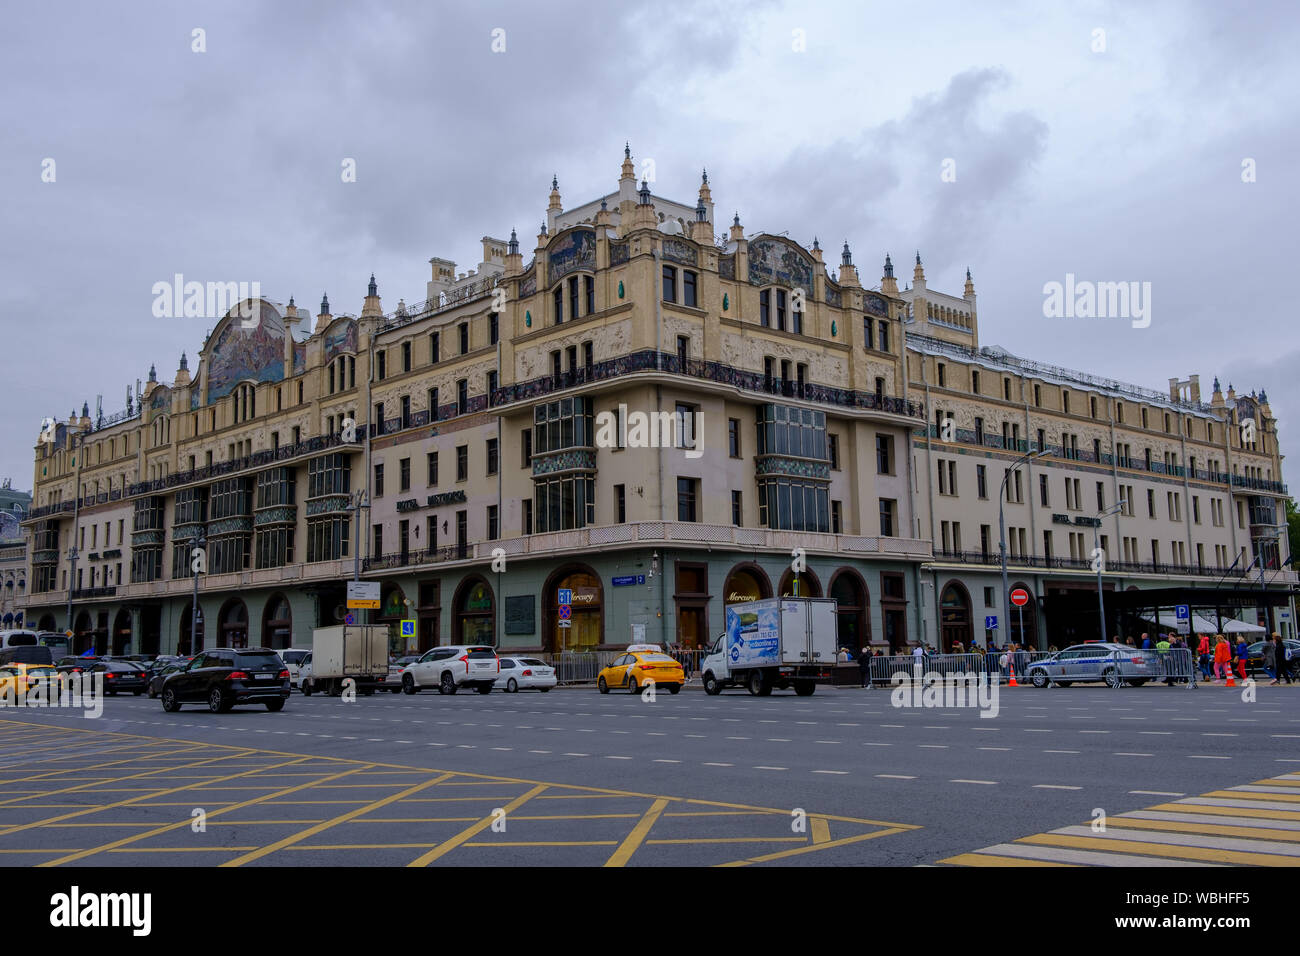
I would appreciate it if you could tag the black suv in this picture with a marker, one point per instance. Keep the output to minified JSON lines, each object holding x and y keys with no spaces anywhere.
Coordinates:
{"x":224,"y":677}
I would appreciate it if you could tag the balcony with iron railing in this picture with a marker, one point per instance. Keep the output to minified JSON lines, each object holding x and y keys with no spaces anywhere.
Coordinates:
{"x":991,"y":559}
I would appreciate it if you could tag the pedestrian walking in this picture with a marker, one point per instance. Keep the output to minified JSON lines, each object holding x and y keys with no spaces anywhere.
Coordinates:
{"x":1242,"y":655}
{"x":1146,"y":641}
{"x":1270,"y":660}
{"x":1283,"y":657}
{"x":1222,"y":656}
{"x":1203,"y":655}
{"x":1162,"y":651}
{"x":864,"y":666}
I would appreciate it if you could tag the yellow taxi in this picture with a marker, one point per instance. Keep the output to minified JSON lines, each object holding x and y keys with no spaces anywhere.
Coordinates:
{"x":642,"y":664}
{"x":16,"y":679}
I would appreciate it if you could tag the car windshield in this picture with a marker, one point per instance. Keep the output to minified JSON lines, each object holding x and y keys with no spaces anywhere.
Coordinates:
{"x":533,"y":662}
{"x":258,"y":662}
{"x":293,"y":657}
{"x":21,"y":640}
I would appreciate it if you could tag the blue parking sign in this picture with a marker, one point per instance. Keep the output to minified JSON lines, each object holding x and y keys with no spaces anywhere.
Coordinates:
{"x":991,"y":622}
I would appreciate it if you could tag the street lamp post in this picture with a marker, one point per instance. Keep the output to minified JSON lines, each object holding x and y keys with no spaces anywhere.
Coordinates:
{"x":1002,"y":530}
{"x":200,"y":545}
{"x":72,"y":583}
{"x":1096,"y":528}
{"x":358,"y":502}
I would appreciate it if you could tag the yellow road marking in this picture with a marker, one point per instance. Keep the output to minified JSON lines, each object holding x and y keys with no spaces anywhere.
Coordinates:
{"x":552,"y":843}
{"x":1261,"y":812}
{"x":464,"y":836}
{"x":81,"y":854}
{"x":1250,"y":795}
{"x":638,"y":834}
{"x":823,"y":846}
{"x":180,"y":849}
{"x":988,"y":859}
{"x":98,"y":809}
{"x":1219,"y":829}
{"x":320,"y":827}
{"x":821,"y":830}
{"x":684,"y":840}
{"x":1159,"y":849}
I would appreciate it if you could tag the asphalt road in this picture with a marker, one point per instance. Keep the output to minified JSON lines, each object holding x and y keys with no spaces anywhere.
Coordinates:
{"x":685,"y":779}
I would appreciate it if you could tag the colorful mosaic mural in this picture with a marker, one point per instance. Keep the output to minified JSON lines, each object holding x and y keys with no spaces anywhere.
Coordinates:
{"x":299,"y":357}
{"x":726,"y":267}
{"x":876,"y":305}
{"x":528,"y":284}
{"x":341,"y":336}
{"x":239,"y":353}
{"x":575,"y":251}
{"x":618,"y":253}
{"x":775,"y":261}
{"x":161,"y":398}
{"x":677,"y":250}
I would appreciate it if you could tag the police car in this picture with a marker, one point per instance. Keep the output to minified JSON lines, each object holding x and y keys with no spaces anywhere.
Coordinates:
{"x":1115,"y":664}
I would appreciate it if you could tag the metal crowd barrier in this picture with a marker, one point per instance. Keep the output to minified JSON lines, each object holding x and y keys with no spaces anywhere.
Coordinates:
{"x":1177,"y":665}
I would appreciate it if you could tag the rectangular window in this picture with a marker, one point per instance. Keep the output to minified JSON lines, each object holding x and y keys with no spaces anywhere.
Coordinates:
{"x":406,"y":356}
{"x":589,"y":290}
{"x":557,"y":304}
{"x":382,"y":357}
{"x":833,"y":446}
{"x":406,"y":411}
{"x":494,"y":328}
{"x":379,"y":481}
{"x":493,"y":530}
{"x":686,"y":499}
{"x":883,"y":327}
{"x":462,"y":396}
{"x":683,"y":351}
{"x":887,"y":512}
{"x":780,"y":309}
{"x":573,"y":297}
{"x":431,"y":463}
{"x":379,"y":540}
{"x":982,"y":481}
{"x":528,"y":515}
{"x":463,"y":331}
{"x":670,"y":284}
{"x":492,"y":456}
{"x":404,"y":475}
{"x":462,"y":462}
{"x":733,"y":437}
{"x":1042,"y":491}
{"x":884,"y":454}
{"x":1101,"y":496}
{"x":688,"y":288}
{"x":866,"y":332}
{"x":432,"y":400}
{"x":620,"y":503}
{"x":526,"y":446}
{"x":1151,"y":503}
{"x":765,"y":308}
{"x":837,"y":524}
{"x":435,"y":352}
{"x":737,"y":511}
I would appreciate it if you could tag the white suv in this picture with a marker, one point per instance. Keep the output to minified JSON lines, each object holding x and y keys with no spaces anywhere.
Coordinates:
{"x":449,"y":668}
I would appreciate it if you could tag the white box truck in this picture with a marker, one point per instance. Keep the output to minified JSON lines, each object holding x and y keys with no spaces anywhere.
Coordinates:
{"x":777,"y":642}
{"x":358,"y":651}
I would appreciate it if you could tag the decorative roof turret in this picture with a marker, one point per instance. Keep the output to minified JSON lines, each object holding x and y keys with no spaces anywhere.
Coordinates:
{"x":887,"y":282}
{"x":555,"y":204}
{"x":372,"y":289}
{"x":513,"y":248}
{"x":153,"y":373}
{"x":644,"y":193}
{"x":846,"y":257}
{"x":970,"y":283}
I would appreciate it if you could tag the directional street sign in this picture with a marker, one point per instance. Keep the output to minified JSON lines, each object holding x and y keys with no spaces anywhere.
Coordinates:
{"x":991,"y":622}
{"x":565,"y":597}
{"x":363,"y":595}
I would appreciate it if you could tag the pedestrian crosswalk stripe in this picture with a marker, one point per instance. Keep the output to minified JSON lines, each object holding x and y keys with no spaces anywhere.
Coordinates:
{"x":1252,"y":824}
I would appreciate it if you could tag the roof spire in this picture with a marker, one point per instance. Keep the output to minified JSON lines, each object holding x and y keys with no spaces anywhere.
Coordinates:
{"x":846,"y":258}
{"x":373,"y":289}
{"x":324,"y":304}
{"x":644,"y":193}
{"x":514,"y":242}
{"x":889,"y":267}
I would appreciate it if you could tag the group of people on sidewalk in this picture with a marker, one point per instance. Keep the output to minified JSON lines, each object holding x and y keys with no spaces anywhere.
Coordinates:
{"x":1218,"y":656}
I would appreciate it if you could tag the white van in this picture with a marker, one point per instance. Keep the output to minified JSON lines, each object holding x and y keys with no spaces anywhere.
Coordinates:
{"x":23,"y":638}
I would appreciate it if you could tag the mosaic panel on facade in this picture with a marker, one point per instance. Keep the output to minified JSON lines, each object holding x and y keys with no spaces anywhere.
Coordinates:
{"x":677,"y":250}
{"x":576,"y":251}
{"x":246,"y":353}
{"x":775,"y":261}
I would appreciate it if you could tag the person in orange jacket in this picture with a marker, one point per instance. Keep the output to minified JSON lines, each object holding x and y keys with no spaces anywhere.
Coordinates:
{"x":1222,"y":656}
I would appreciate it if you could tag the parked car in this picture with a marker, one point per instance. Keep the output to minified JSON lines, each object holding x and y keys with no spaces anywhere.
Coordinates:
{"x":157,"y":677}
{"x":74,"y":665}
{"x":293,"y":658}
{"x":121,"y":677}
{"x":637,"y":668}
{"x":1255,"y":662}
{"x":450,"y":668}
{"x":224,"y":677}
{"x":19,"y":680}
{"x":395,"y":669}
{"x":1114,"y":664}
{"x":522,"y":673}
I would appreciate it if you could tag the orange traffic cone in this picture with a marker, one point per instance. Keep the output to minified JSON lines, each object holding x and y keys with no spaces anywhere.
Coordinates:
{"x":1011,"y":664}
{"x":1231,"y":682}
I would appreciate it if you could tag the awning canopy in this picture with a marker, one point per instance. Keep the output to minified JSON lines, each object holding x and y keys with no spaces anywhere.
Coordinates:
{"x":1203,"y":625}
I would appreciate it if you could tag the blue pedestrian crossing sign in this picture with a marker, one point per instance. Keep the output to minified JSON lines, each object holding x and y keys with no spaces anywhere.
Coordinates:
{"x":408,"y":629}
{"x":991,"y":622}
{"x":566,"y":597}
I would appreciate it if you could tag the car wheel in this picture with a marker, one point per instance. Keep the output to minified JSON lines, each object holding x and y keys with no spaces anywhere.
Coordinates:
{"x":674,"y":688}
{"x":408,"y":684}
{"x":217,"y":701}
{"x":512,"y":687}
{"x":275,"y":706}
{"x":447,"y":685}
{"x":631,"y":684}
{"x":805,"y":688}
{"x":1112,"y":678}
{"x":1038,"y":679}
{"x":755,"y":684}
{"x":602,"y":686}
{"x":169,"y":701}
{"x":712,"y":686}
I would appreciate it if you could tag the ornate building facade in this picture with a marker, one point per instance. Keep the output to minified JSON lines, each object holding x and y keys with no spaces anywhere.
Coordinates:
{"x":658,"y":419}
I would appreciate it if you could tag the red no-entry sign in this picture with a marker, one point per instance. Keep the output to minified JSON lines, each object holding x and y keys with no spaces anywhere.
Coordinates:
{"x":1019,"y":597}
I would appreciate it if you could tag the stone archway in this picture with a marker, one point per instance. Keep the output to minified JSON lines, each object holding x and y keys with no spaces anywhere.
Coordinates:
{"x":586,"y":630}
{"x":954,"y":616}
{"x":232,"y":624}
{"x":277,"y":623}
{"x":809,"y":586}
{"x":852,"y":603}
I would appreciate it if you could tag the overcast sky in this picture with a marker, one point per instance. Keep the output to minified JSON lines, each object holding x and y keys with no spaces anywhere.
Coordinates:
{"x":826,"y":119}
